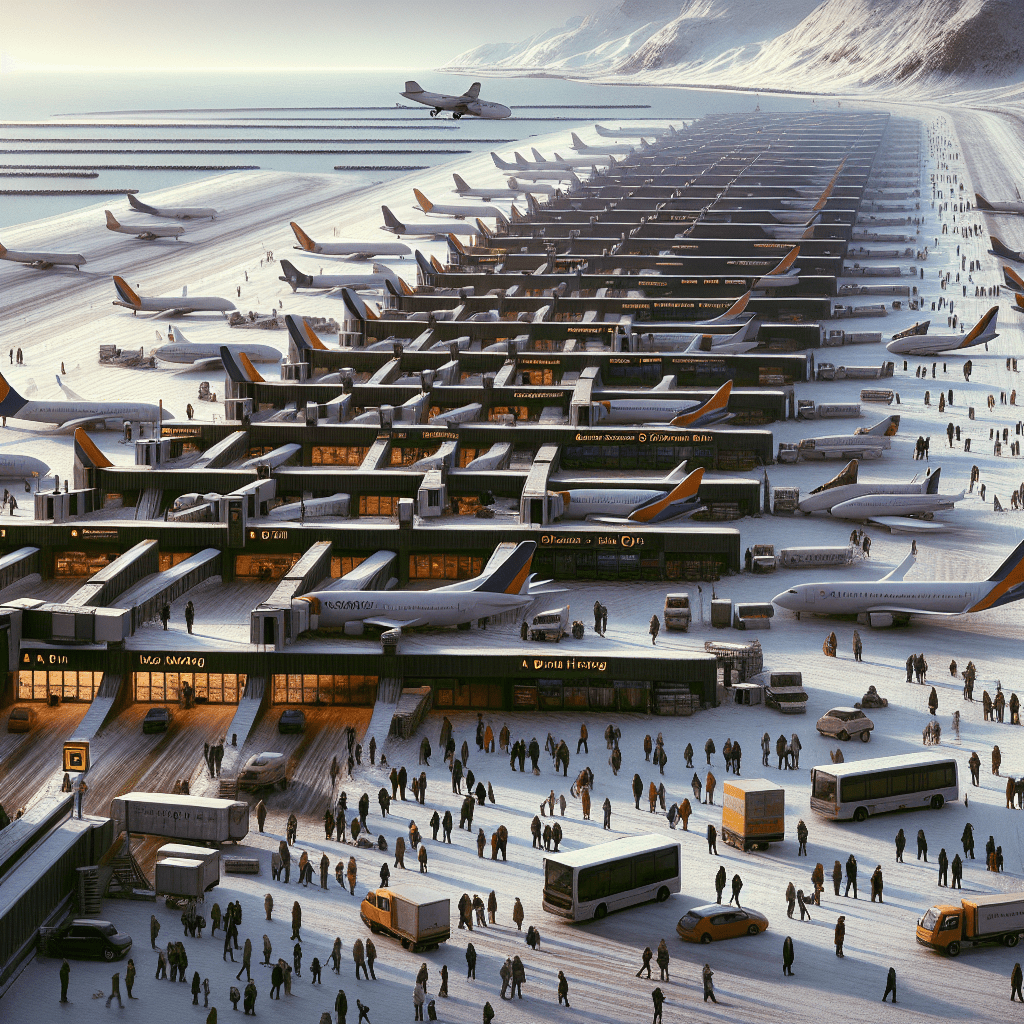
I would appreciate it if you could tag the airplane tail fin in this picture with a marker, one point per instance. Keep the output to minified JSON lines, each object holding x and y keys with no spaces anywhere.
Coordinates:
{"x":406,"y":290}
{"x":483,"y":229}
{"x":714,"y":409}
{"x":1007,"y":582}
{"x":303,"y":336}
{"x":138,"y":204}
{"x":3,"y":250}
{"x":886,"y":427}
{"x":87,"y":452}
{"x":126,"y":293}
{"x":10,"y":401}
{"x":734,"y":310}
{"x":473,"y":92}
{"x":392,"y":222}
{"x":354,"y":305}
{"x":254,"y":374}
{"x":537,"y":155}
{"x":426,"y":270}
{"x":574,"y":181}
{"x":460,"y":184}
{"x":676,"y":474}
{"x":424,"y":203}
{"x":73,"y":395}
{"x":294,"y":276}
{"x":454,"y":242}
{"x":305,"y":241}
{"x":786,"y":263}
{"x":1012,"y":279}
{"x":999,"y":248}
{"x":984,"y":329}
{"x":503,"y":165}
{"x":413,"y":87}
{"x":436,"y":264}
{"x":112,"y":223}
{"x":577,"y":142}
{"x":982,"y":203}
{"x":513,"y":575}
{"x":672,"y":504}
{"x":820,"y":204}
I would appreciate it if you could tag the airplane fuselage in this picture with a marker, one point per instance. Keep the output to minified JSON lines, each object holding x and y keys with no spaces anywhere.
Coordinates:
{"x":855,"y":598}
{"x":440,"y":607}
{"x":625,"y":411}
{"x":43,"y":260}
{"x":193,"y":352}
{"x":60,"y":413}
{"x":823,"y":501}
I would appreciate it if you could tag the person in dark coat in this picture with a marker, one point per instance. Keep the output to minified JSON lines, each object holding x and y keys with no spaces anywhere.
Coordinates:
{"x":518,"y":977}
{"x":65,"y":978}
{"x":890,"y":984}
{"x":709,"y":989}
{"x":249,"y":1000}
{"x":341,"y":1006}
{"x":563,"y":989}
{"x":646,"y":957}
{"x":957,"y":871}
{"x":876,"y":884}
{"x":471,"y":961}
{"x":787,"y":956}
{"x":851,"y":875}
{"x":488,"y":1013}
{"x":840,"y":936}
{"x":712,"y":839}
{"x":737,"y":885}
{"x":1016,"y":978}
{"x":943,"y":867}
{"x":791,"y":898}
{"x":901,"y":845}
{"x":801,"y":837}
{"x":837,"y":876}
{"x":197,"y":987}
{"x":922,"y":845}
{"x":659,"y":1001}
{"x":663,"y":960}
{"x":720,"y":880}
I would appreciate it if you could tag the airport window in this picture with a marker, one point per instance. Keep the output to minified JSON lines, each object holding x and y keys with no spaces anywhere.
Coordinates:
{"x":337,"y":455}
{"x":444,"y":567}
{"x":408,"y":455}
{"x":377,"y":505}
{"x":264,"y":567}
{"x":520,"y":412}
{"x":169,"y":559}
{"x":341,"y":565}
{"x":324,"y":689}
{"x":207,"y":687}
{"x":81,"y":563}
{"x":67,"y":685}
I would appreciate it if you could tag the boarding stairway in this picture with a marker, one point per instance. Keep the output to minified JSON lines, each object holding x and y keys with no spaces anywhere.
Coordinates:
{"x":246,"y":715}
{"x":102,"y":706}
{"x":389,"y":693}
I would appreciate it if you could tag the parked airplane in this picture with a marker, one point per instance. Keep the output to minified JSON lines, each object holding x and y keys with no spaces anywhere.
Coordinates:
{"x":179,"y":349}
{"x":541,"y":169}
{"x":1005,"y":252}
{"x":21,"y":467}
{"x":353,"y":250}
{"x":733,"y":315}
{"x":1012,"y":280}
{"x":457,"y":210}
{"x":468,"y":103}
{"x":77,"y":411}
{"x":43,"y":260}
{"x":633,"y":505}
{"x":374,"y":280}
{"x":581,"y":147}
{"x":846,"y":498}
{"x":535,"y":184}
{"x":891,"y":599}
{"x":425,"y":228}
{"x":487,"y":194}
{"x":168,"y":306}
{"x":675,"y":411}
{"x":907,"y":344}
{"x":864,"y":442}
{"x":634,"y":133}
{"x":509,"y":587}
{"x":174,"y":212}
{"x":552,"y":172}
{"x":1007,"y":206}
{"x":146,"y":231}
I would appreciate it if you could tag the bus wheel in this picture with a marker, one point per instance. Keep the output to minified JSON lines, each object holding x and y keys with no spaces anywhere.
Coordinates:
{"x":705,"y":939}
{"x":601,"y":912}
{"x":937,"y":802}
{"x":953,"y":949}
{"x":861,"y":814}
{"x":663,"y":894}
{"x":1010,"y":940}
{"x":865,"y":736}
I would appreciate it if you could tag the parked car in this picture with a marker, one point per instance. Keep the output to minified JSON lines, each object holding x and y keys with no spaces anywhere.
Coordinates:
{"x":677,"y":612}
{"x":550,"y":625}
{"x":292,"y":720}
{"x":713,"y":922}
{"x":265,"y":769}
{"x":156,"y":720}
{"x":21,"y":719}
{"x":844,"y":723}
{"x":85,"y":939}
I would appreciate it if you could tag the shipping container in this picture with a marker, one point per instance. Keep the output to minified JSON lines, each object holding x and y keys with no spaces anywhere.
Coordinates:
{"x":179,"y":876}
{"x":210,"y":859}
{"x":202,"y":819}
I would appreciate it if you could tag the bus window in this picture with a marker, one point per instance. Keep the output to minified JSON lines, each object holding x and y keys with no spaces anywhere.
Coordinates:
{"x":621,"y":876}
{"x":898,"y":783}
{"x":558,"y":878}
{"x":593,"y":883}
{"x":824,"y":787}
{"x":854,"y":789}
{"x":645,"y":870}
{"x":878,"y":786}
{"x":667,"y":863}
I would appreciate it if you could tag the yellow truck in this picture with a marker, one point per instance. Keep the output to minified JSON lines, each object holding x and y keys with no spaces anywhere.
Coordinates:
{"x":753,"y":813}
{"x":419,"y":917}
{"x":975,"y":921}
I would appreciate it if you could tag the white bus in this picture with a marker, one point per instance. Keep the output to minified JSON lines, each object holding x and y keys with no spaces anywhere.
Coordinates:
{"x":588,"y":883}
{"x":904,"y":781}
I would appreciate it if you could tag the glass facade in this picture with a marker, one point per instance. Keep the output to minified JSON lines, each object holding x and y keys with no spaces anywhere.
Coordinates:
{"x":69,"y":685}
{"x":313,"y":688}
{"x":208,"y":687}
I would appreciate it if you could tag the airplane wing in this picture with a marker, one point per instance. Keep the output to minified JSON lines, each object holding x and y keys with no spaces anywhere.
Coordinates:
{"x":903,"y":524}
{"x":85,"y":421}
{"x":67,"y":391}
{"x":902,"y":610}
{"x":396,"y":623}
{"x":902,"y":569}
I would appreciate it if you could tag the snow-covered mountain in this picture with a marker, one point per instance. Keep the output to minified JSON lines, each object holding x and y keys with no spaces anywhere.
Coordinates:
{"x":783,"y":44}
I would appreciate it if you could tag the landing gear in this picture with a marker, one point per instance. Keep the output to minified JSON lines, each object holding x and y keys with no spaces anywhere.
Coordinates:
{"x":457,"y":115}
{"x":435,"y":112}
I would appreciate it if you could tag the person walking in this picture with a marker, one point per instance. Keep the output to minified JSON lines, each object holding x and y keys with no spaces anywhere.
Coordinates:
{"x":787,"y":957}
{"x":359,"y":958}
{"x":709,"y":789}
{"x":837,"y":876}
{"x":791,"y":898}
{"x":840,"y":935}
{"x":65,"y":978}
{"x":663,"y":960}
{"x":659,"y":1001}
{"x":877,"y":884}
{"x":922,"y":845}
{"x":737,"y":885}
{"x":712,"y":839}
{"x":654,"y":629}
{"x":645,"y":965}
{"x":246,"y":960}
{"x":115,"y":990}
{"x":518,"y":914}
{"x":190,"y":615}
{"x":709,"y":989}
{"x":943,"y":867}
{"x":1016,"y":978}
{"x":901,"y":845}
{"x":801,"y":899}
{"x":957,"y":870}
{"x":720,"y":880}
{"x":470,"y":961}
{"x":851,"y":875}
{"x":890,"y":984}
{"x":563,"y":990}
{"x":418,"y":999}
{"x":801,"y":837}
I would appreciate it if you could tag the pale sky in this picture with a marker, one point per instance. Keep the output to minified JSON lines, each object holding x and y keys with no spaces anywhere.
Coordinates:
{"x":265,"y":34}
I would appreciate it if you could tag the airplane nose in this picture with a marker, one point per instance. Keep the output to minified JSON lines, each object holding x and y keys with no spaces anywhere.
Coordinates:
{"x":788,"y":599}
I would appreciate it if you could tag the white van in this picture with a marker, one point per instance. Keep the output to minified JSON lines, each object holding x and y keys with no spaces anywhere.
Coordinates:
{"x":265,"y":769}
{"x":677,"y":611}
{"x":550,"y":625}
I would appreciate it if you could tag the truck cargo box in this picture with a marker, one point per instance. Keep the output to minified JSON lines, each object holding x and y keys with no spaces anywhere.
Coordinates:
{"x":996,"y":914}
{"x":179,"y":876}
{"x":201,"y":819}
{"x":210,"y":859}
{"x":753,"y":813}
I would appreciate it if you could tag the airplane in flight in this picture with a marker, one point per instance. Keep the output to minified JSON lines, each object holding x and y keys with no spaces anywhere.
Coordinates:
{"x":468,"y":103}
{"x":351,"y":250}
{"x":892,"y":600}
{"x":609,"y":150}
{"x":509,"y":587}
{"x":76,"y":411}
{"x":1005,"y":252}
{"x":675,"y":411}
{"x":174,"y":212}
{"x":487,"y":194}
{"x":457,"y":210}
{"x":635,"y":505}
{"x":43,"y":260}
{"x":372,"y":281}
{"x":145,"y":231}
{"x":167,"y":306}
{"x":426,"y":228}
{"x":179,"y":349}
{"x":1007,"y":206}
{"x":907,"y":343}
{"x":845,"y":497}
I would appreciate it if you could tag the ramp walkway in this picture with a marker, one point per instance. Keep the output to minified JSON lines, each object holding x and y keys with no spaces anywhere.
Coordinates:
{"x":118,"y":576}
{"x":148,"y":506}
{"x":249,"y":708}
{"x":16,"y":565}
{"x":102,"y":706}
{"x":147,"y":598}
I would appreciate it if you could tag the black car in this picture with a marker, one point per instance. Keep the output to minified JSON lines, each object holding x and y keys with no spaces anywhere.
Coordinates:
{"x":88,"y":939}
{"x":292,"y":720}
{"x":156,"y":720}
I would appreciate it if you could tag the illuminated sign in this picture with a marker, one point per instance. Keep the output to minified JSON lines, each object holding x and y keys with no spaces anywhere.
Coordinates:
{"x":563,"y":665}
{"x":168,"y":431}
{"x":546,"y":395}
{"x":586,"y":540}
{"x":38,"y":658}
{"x":145,"y":661}
{"x":76,"y":756}
{"x":268,"y":535}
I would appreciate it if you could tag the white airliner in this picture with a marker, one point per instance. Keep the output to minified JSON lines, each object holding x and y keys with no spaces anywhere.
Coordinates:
{"x":457,"y":210}
{"x":179,"y":349}
{"x":846,"y":498}
{"x":146,"y":231}
{"x":635,"y":132}
{"x":510,"y":587}
{"x":609,"y":149}
{"x":487,"y":194}
{"x":910,"y":343}
{"x":374,"y":280}
{"x":539,"y":163}
{"x":733,"y":315}
{"x":174,"y":212}
{"x":167,"y":306}
{"x":552,"y":172}
{"x":865,"y":442}
{"x":635,"y":505}
{"x":675,"y":411}
{"x":1010,"y":206}
{"x":1005,"y":252}
{"x":43,"y":260}
{"x":425,"y":228}
{"x":468,"y":103}
{"x":21,"y":467}
{"x":352,"y":249}
{"x":77,"y":411}
{"x":892,"y":599}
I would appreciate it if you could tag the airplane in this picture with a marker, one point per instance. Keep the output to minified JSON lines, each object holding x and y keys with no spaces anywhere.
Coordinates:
{"x":540,"y":164}
{"x":891,"y":599}
{"x":146,"y":231}
{"x":864,"y":442}
{"x":1005,"y":252}
{"x":77,"y":411}
{"x":581,"y":147}
{"x":907,"y":344}
{"x":846,"y":498}
{"x":1012,"y":280}
{"x":457,"y":210}
{"x":551,"y":172}
{"x":468,"y":103}
{"x":353,"y":250}
{"x":169,"y":306}
{"x":373,"y":281}
{"x":507,"y":588}
{"x":487,"y":194}
{"x":677,"y":412}
{"x":426,"y":228}
{"x":174,"y":212}
{"x":733,"y":315}
{"x":637,"y":505}
{"x":21,"y":467}
{"x":633,"y":133}
{"x":43,"y":260}
{"x":179,"y":349}
{"x":1011,"y":206}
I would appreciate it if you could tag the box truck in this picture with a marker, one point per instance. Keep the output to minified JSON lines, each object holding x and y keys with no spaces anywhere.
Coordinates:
{"x":210,"y":859}
{"x":418,"y":916}
{"x":180,"y":876}
{"x":753,"y":813}
{"x":972,"y":922}
{"x":196,"y":818}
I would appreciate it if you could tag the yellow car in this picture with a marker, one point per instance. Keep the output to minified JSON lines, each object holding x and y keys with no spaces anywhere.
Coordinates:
{"x":705,"y":924}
